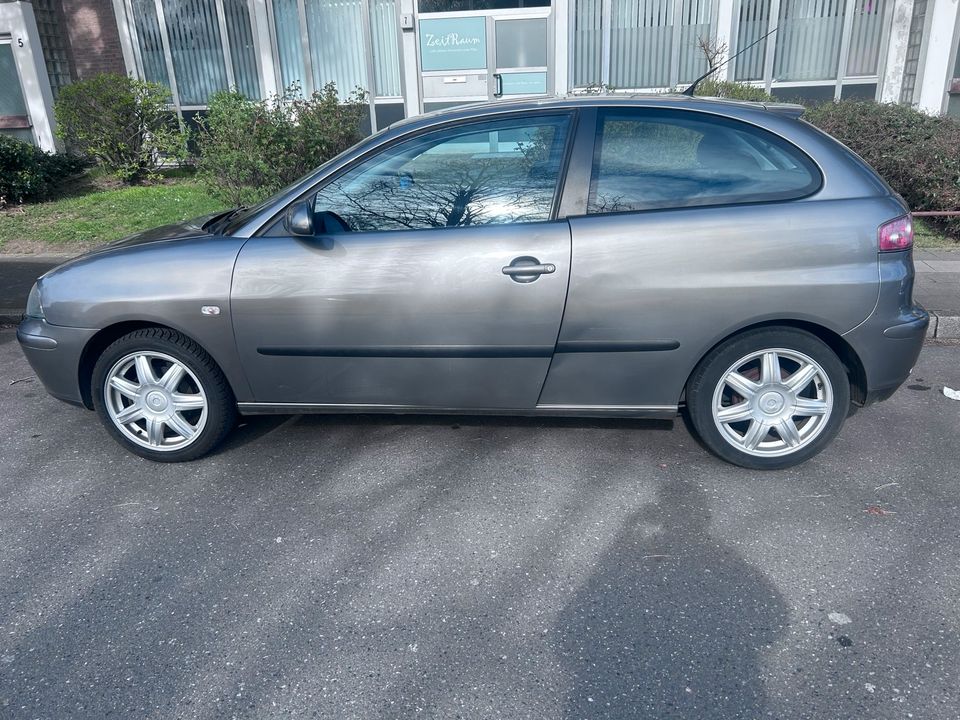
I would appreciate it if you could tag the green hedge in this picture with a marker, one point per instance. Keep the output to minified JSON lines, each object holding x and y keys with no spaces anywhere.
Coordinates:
{"x":249,"y":149}
{"x":917,"y":154}
{"x":125,"y":125}
{"x":733,"y":91}
{"x":30,"y":174}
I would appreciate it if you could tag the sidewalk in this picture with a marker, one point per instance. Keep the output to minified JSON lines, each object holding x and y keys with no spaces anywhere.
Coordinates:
{"x":937,"y":286}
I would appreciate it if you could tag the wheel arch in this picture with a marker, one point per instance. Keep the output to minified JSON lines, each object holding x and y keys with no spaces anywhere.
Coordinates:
{"x":102,"y":340}
{"x":836,"y":342}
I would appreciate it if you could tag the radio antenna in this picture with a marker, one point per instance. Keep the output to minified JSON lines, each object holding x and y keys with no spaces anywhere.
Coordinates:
{"x":693,"y":86}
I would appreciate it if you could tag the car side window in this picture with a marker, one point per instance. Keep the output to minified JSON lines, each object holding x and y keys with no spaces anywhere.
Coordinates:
{"x":493,"y":172}
{"x":648,"y":159}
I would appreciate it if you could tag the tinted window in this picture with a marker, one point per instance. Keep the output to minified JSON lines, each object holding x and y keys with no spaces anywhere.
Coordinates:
{"x":476,"y":174}
{"x":649,"y":159}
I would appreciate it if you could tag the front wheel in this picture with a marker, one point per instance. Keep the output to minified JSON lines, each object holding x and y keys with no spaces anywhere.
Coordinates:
{"x":769,"y":399}
{"x":162,"y":396}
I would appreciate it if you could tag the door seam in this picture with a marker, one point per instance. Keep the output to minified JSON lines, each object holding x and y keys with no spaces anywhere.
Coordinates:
{"x":563,"y":311}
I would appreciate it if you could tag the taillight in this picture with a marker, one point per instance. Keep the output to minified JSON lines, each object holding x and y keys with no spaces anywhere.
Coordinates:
{"x":896,"y":234}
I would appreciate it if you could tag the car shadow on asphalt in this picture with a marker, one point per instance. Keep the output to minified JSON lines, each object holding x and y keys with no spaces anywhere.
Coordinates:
{"x":673,"y":623}
{"x":441,"y":581}
{"x":252,"y":428}
{"x":669,"y":622}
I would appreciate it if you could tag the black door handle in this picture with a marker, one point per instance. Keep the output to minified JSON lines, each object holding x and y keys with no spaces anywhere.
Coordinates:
{"x":498,"y":89}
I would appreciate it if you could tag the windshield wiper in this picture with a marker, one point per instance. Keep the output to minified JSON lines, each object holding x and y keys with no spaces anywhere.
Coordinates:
{"x":219,"y":222}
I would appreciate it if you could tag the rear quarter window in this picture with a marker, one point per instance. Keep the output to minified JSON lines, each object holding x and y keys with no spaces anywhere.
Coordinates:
{"x":647,"y":159}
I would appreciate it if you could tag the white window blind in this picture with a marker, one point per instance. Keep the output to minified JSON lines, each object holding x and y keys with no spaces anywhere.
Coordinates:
{"x":196,"y":48}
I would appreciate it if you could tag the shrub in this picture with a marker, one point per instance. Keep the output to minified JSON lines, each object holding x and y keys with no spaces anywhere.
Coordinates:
{"x":249,"y":149}
{"x":234,"y":140}
{"x":916,"y":154}
{"x":27,"y":173}
{"x":732,"y":90}
{"x":126,"y":125}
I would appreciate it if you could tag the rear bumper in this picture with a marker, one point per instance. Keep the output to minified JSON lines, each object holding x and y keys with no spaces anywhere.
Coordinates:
{"x":897,"y":351}
{"x":889,"y":342}
{"x":54,"y":353}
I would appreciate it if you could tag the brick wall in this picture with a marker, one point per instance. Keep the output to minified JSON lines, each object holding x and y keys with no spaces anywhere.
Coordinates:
{"x":91,"y":30}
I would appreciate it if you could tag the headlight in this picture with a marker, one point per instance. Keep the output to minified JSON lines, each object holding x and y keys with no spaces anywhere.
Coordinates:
{"x":34,"y":307}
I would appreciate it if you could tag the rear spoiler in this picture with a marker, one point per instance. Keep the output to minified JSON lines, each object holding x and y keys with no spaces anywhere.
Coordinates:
{"x":789,"y":109}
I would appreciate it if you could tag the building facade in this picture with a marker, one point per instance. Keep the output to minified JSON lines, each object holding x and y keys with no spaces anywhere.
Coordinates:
{"x":413,"y":56}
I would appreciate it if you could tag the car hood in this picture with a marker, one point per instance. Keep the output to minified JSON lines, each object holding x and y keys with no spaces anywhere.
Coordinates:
{"x":165,"y":233}
{"x":175,"y":231}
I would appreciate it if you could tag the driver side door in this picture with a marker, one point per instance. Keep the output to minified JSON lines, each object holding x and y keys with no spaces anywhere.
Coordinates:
{"x":436,"y":277}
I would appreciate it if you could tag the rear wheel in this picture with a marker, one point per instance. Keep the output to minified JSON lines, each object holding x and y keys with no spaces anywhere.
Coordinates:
{"x":162,"y":396}
{"x":769,"y":398}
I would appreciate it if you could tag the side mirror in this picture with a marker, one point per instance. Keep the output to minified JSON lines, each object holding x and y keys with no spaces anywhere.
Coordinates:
{"x":299,"y":219}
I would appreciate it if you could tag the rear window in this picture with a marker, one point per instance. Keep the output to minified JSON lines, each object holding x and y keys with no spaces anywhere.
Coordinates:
{"x":647,"y":159}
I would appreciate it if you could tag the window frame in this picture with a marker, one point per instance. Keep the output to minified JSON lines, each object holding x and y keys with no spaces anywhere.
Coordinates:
{"x":275,"y":223}
{"x":765,"y":134}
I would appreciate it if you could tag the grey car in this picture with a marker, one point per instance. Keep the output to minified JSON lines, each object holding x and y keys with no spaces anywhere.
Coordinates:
{"x":591,"y":256}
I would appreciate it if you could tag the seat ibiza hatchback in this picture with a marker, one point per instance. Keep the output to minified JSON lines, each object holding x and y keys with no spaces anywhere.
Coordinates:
{"x":589,"y":256}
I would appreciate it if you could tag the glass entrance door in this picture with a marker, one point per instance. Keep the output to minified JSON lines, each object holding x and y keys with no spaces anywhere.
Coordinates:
{"x":499,"y":50}
{"x":521,"y":56}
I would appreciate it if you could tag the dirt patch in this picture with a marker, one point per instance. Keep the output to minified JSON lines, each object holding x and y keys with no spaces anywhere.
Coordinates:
{"x":38,"y":247}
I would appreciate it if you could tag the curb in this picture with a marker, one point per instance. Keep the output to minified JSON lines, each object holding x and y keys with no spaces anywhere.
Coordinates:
{"x":943,"y":327}
{"x":10,"y":316}
{"x":38,"y":257}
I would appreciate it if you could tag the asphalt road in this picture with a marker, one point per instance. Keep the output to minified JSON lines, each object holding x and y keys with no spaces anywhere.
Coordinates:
{"x":371,"y":567}
{"x":17,"y":276}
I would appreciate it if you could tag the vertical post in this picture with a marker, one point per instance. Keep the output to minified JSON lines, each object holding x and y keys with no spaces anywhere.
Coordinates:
{"x":370,"y":67}
{"x":31,"y":70}
{"x":561,"y":44}
{"x":135,"y":70}
{"x":936,"y":68}
{"x":225,"y":44}
{"x":606,"y":34}
{"x":894,"y":60}
{"x":308,"y":84}
{"x":401,"y":60}
{"x":845,"y":32}
{"x":891,"y":35}
{"x":491,"y":30}
{"x":771,"y":44}
{"x":410,"y":80}
{"x":168,"y":56}
{"x":725,"y":23}
{"x":676,"y":11}
{"x":730,"y":71}
{"x":264,"y":45}
{"x":127,"y":37}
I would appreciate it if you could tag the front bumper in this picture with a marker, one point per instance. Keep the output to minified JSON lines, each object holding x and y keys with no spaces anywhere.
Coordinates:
{"x":54,"y":353}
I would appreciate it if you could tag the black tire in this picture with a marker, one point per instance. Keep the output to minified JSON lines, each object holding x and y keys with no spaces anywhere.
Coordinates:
{"x":207,"y":378}
{"x":704,"y":382}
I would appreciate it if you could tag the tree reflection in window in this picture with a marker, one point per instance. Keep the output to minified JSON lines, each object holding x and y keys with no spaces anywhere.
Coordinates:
{"x":480,"y":174}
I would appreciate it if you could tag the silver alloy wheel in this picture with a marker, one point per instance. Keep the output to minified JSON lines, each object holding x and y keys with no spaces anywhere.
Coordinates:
{"x":773,"y":402}
{"x":155,"y":400}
